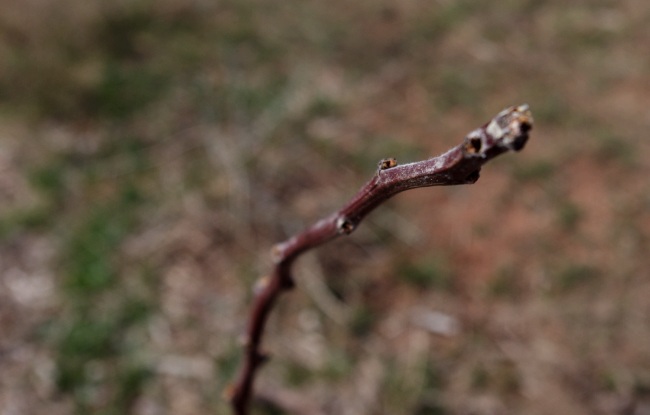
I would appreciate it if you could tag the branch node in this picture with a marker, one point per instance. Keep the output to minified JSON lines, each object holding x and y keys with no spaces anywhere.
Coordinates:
{"x":344,"y":225}
{"x":261,"y":358}
{"x":288,"y":283}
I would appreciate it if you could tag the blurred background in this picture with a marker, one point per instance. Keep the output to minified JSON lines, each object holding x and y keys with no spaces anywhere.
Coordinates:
{"x":152,"y":152}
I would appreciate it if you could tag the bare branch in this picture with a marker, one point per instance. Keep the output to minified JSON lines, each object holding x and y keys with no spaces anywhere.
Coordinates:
{"x":508,"y":130}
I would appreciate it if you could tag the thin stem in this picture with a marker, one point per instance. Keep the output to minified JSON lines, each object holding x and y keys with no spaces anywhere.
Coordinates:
{"x":508,"y":130}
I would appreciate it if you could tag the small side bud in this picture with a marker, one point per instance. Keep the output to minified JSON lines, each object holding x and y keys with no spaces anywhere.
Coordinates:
{"x":387,"y":163}
{"x":261,"y":284}
{"x":474,"y":142}
{"x":344,"y":225}
{"x":276,"y":253}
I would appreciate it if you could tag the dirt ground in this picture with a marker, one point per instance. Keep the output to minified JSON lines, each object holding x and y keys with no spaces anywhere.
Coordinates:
{"x":152,"y":152}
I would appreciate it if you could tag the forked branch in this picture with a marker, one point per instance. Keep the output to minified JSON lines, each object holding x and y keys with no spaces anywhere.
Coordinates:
{"x":508,"y":130}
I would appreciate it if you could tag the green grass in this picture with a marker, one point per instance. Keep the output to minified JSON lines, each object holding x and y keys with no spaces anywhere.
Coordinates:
{"x":296,"y":374}
{"x":459,"y":87}
{"x":362,"y":322}
{"x":94,"y":353}
{"x":533,"y":171}
{"x":100,"y":316}
{"x":124,"y":90}
{"x":430,"y":408}
{"x":427,"y":273}
{"x":32,"y":219}
{"x":403,"y":395}
{"x":505,"y":283}
{"x":574,"y":275}
{"x":615,"y":148}
{"x":444,"y":18}
{"x":338,"y":366}
{"x":552,"y":109}
{"x":90,"y":252}
{"x":568,"y":215}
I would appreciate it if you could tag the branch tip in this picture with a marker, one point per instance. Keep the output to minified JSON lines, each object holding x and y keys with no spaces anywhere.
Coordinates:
{"x":508,"y":130}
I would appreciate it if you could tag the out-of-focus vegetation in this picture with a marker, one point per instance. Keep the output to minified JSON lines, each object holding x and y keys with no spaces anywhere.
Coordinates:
{"x":151,"y":152}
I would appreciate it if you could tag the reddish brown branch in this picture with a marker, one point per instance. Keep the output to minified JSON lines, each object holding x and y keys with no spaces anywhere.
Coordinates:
{"x":460,"y":165}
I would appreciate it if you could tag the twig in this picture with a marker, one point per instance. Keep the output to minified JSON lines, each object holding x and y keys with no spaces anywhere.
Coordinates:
{"x":508,"y":130}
